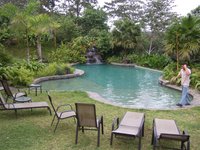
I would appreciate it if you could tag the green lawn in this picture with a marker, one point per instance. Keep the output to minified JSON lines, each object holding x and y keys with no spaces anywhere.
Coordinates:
{"x":32,"y":130}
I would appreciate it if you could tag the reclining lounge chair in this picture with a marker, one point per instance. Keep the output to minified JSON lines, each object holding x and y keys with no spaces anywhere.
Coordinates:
{"x":17,"y":106}
{"x":132,"y":125}
{"x":167,"y":130}
{"x":9,"y":92}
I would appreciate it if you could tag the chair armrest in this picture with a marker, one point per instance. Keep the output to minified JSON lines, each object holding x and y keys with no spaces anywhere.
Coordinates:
{"x":64,"y":105}
{"x":115,"y":122}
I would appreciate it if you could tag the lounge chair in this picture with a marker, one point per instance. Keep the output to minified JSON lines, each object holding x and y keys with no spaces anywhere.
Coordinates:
{"x":17,"y":106}
{"x":164,"y":129}
{"x":131,"y":125}
{"x":9,"y":92}
{"x":86,"y":120}
{"x":62,"y":114}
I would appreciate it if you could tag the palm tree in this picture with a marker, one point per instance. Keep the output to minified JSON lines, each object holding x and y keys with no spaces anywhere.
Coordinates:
{"x":125,"y":34}
{"x":182,"y":38}
{"x":42,"y":25}
{"x":21,"y":23}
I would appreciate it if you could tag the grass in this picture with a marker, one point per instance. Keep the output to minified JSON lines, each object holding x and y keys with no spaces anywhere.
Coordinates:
{"x":32,"y":130}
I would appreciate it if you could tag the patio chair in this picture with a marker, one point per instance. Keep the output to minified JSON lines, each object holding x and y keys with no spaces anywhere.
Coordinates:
{"x":164,"y":129}
{"x":87,"y":120}
{"x":131,"y":125}
{"x":61,"y":114}
{"x":9,"y":92}
{"x":18,"y":106}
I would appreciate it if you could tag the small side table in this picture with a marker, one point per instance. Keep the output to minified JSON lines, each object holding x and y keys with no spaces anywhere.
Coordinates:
{"x":22,"y":99}
{"x":35,"y":86}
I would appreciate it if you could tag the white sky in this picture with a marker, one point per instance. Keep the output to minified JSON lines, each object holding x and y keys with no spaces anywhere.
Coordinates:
{"x":183,"y":7}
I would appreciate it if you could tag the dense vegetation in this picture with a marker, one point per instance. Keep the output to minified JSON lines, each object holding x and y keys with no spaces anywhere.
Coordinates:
{"x":147,"y":33}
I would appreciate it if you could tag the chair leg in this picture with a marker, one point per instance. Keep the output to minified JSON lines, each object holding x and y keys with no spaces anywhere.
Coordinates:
{"x":49,"y":110}
{"x":182,"y":145}
{"x":82,"y":128}
{"x":102,"y":130}
{"x":139,"y":145}
{"x":16,"y":113}
{"x":53,"y":120}
{"x":143,"y":129}
{"x":76,"y":140}
{"x":57,"y":124}
{"x":111,"y":139}
{"x":188,"y":145}
{"x":98,"y":138}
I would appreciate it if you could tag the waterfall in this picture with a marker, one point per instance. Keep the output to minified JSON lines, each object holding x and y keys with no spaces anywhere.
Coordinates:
{"x":93,"y":57}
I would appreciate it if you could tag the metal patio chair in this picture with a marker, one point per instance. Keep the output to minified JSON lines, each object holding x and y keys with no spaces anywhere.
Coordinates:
{"x":87,"y":120}
{"x":67,"y":113}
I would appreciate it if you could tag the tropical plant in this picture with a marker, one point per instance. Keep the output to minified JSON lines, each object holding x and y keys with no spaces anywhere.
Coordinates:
{"x":125,"y":35}
{"x":42,"y":25}
{"x":182,"y":38}
{"x":20,"y":23}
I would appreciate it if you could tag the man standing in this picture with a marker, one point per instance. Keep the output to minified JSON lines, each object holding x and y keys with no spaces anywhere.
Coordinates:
{"x":185,"y":81}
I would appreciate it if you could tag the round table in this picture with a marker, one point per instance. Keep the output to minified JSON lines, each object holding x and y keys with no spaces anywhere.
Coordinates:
{"x":22,"y":99}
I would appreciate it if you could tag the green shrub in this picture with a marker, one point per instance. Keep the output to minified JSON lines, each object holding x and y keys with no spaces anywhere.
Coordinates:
{"x":152,"y":61}
{"x":54,"y":69}
{"x":18,"y":75}
{"x":170,"y":71}
{"x":116,"y":59}
{"x":67,"y":54}
{"x":5,"y":58}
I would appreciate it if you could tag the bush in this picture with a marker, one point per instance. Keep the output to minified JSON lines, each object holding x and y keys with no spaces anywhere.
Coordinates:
{"x":55,"y":69}
{"x":170,"y":71}
{"x":66,"y":54}
{"x":5,"y":59}
{"x":18,"y":75}
{"x":116,"y":59}
{"x":152,"y":61}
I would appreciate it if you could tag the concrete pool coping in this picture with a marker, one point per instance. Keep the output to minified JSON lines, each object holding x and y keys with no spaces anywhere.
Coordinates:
{"x":76,"y":73}
{"x":194,"y":93}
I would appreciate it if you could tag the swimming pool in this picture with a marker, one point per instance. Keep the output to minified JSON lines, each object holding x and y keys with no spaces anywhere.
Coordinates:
{"x":125,"y":86}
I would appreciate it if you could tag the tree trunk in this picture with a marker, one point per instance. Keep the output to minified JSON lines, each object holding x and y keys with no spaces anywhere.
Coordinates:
{"x":54,"y":38}
{"x":177,"y":54}
{"x":27,"y":48}
{"x":39,"y":48}
{"x":150,"y":46}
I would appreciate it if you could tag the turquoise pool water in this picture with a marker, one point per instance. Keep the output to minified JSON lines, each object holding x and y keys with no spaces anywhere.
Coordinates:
{"x":126,"y":86}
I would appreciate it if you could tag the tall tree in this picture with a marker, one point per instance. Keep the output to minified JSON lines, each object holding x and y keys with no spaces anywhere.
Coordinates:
{"x":21,"y":23}
{"x":182,"y":38}
{"x":125,"y":35}
{"x":42,"y":25}
{"x":158,"y":17}
{"x":74,"y":7}
{"x":196,"y":11}
{"x":45,"y":5}
{"x":93,"y":18}
{"x":131,"y":9}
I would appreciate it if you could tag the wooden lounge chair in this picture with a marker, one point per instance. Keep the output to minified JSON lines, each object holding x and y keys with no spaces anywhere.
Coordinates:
{"x":132,"y":125}
{"x":86,"y":120}
{"x":9,"y":92}
{"x":168,"y":130}
{"x":17,"y":106}
{"x":61,"y":114}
